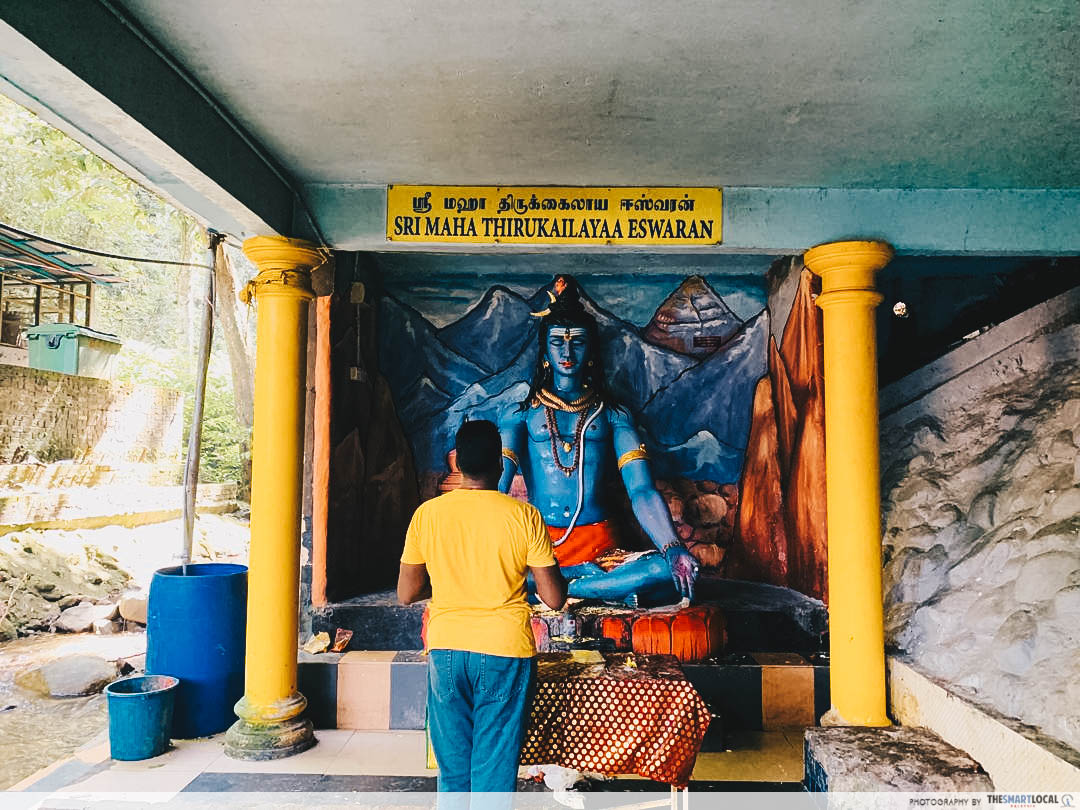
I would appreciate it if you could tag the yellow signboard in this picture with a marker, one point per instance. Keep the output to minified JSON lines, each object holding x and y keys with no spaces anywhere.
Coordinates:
{"x":554,"y":215}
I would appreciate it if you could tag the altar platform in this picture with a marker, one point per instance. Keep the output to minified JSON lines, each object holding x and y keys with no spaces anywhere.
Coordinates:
{"x":758,"y":617}
{"x":772,"y":673}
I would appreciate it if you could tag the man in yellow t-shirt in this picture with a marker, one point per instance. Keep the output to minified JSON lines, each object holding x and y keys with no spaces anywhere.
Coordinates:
{"x":471,"y":550}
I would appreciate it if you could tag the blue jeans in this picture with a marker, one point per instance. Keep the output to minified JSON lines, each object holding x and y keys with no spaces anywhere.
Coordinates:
{"x":478,"y":706}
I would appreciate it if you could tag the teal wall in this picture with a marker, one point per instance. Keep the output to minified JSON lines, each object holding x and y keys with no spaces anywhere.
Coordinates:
{"x":947,"y":222}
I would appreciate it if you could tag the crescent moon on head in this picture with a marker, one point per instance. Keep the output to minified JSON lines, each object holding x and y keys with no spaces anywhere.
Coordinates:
{"x":545,"y":312}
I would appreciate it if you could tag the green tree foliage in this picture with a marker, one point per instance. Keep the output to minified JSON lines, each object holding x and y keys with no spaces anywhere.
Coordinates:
{"x":222,"y":435}
{"x":51,"y":185}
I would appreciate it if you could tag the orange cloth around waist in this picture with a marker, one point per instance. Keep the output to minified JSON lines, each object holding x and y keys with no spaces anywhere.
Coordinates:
{"x":585,"y":543}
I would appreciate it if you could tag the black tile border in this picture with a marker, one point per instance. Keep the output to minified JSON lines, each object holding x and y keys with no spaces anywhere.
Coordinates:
{"x":334,"y":783}
{"x":308,"y":783}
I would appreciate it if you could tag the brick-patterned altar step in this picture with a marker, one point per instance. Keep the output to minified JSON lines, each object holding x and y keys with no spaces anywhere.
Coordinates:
{"x":381,"y":690}
{"x":764,"y":691}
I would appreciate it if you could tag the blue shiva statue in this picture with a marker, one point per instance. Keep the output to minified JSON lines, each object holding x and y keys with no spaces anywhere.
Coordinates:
{"x":567,"y":438}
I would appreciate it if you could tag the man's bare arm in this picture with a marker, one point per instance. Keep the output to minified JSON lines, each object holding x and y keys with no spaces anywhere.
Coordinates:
{"x":550,"y":585}
{"x":413,"y":584}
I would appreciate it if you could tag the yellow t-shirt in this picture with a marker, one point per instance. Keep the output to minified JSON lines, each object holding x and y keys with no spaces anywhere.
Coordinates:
{"x":477,"y":545}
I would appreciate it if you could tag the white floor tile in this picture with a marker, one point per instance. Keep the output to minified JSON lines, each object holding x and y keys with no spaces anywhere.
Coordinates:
{"x":185,"y":755}
{"x":383,"y":753}
{"x":159,"y":784}
{"x":333,"y":738}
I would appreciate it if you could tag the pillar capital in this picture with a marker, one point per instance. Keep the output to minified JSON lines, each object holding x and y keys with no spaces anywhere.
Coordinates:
{"x":284,"y":265}
{"x":847,"y":270}
{"x":282,"y":253}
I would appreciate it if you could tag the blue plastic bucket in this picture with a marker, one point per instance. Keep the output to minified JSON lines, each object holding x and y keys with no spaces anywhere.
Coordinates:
{"x":140,"y":715}
{"x":195,"y":631}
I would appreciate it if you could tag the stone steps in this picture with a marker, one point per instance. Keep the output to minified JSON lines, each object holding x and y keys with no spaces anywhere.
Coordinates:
{"x":851,"y":759}
{"x":68,"y":474}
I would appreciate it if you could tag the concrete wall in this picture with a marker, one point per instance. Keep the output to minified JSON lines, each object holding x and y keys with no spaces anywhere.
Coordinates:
{"x":981,"y":514}
{"x":14,"y":355}
{"x":51,"y":417}
{"x":107,"y":505}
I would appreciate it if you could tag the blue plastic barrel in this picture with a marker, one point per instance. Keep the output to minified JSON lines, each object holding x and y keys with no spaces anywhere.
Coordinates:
{"x":195,"y":631}
{"x":140,"y":715}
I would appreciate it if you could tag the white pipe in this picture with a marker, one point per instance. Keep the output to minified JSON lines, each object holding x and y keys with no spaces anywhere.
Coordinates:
{"x":580,"y":476}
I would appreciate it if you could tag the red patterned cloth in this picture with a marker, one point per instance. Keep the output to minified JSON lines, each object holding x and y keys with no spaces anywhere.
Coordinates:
{"x":612,"y":718}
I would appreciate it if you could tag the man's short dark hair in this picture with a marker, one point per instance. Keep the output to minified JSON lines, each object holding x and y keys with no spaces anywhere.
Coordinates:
{"x":479,"y":447}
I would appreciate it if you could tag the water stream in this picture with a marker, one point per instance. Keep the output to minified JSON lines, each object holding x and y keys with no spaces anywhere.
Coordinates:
{"x":36,"y":731}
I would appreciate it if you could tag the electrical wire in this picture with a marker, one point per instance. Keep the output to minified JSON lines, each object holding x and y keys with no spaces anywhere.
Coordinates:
{"x":101,"y":253}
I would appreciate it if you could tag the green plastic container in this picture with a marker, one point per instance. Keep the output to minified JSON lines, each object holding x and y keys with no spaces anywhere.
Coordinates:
{"x":73,"y":349}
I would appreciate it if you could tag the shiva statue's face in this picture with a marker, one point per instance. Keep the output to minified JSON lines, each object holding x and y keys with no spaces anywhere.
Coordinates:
{"x":567,"y":350}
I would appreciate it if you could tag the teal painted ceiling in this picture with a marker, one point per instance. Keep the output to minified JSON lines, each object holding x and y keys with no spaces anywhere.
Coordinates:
{"x":829,"y":93}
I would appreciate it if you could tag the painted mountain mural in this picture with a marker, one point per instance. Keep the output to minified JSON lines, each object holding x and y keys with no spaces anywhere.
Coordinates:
{"x":496,"y":328}
{"x":410,"y":353}
{"x":714,"y":394}
{"x":733,"y":422}
{"x":693,"y":320}
{"x":693,"y":411}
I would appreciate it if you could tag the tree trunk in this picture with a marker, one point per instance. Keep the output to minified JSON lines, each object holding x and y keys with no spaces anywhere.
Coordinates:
{"x":202,"y":360}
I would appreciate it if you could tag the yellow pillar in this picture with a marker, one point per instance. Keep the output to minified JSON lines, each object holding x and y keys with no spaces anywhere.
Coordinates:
{"x":856,"y":624}
{"x":270,"y":725}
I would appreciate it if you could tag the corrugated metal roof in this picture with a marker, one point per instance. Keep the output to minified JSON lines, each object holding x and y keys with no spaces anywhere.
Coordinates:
{"x":35,"y":259}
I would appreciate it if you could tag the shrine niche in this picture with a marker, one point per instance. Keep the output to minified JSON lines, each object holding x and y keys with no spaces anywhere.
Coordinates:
{"x":731,"y":418}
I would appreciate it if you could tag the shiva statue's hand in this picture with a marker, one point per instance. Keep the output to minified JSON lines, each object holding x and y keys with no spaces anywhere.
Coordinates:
{"x":684,"y":569}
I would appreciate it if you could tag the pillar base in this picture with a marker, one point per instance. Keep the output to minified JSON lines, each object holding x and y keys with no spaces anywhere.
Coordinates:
{"x":262,"y":741}
{"x":833,"y":718}
{"x":269,"y":731}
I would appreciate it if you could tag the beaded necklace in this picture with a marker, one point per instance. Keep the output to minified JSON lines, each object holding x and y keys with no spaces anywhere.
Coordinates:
{"x":581,"y":407}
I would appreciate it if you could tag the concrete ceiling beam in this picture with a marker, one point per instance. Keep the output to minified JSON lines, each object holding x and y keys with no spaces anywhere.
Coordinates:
{"x":84,"y":70}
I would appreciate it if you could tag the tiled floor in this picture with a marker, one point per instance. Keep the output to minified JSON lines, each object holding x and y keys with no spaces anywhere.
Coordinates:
{"x":755,"y":756}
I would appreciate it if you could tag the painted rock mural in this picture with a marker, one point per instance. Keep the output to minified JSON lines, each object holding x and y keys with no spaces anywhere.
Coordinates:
{"x":696,"y":374}
{"x":780,"y":535}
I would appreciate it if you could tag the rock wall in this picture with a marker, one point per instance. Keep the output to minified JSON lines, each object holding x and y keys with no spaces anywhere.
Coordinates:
{"x":981,"y":511}
{"x":47,"y":416}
